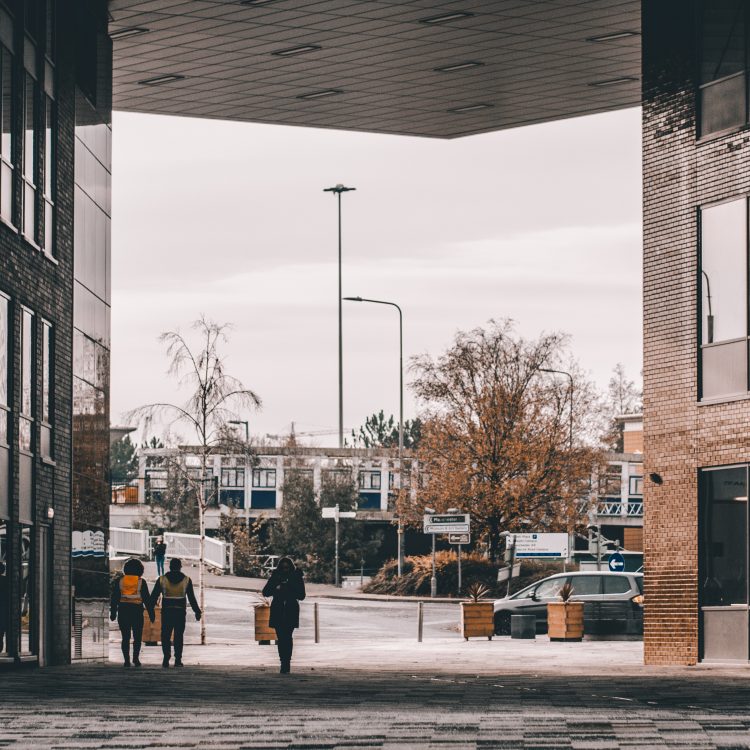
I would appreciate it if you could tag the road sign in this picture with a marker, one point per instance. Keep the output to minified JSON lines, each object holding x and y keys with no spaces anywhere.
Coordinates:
{"x":335,"y":513}
{"x":456,"y":523}
{"x":541,"y":545}
{"x":459,"y":538}
{"x":616,"y":562}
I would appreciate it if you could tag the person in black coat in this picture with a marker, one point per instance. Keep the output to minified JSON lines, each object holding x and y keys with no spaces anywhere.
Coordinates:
{"x":287,"y":587}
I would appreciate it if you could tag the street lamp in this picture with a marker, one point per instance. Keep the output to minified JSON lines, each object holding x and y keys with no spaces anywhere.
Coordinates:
{"x":247,"y":427}
{"x":338,"y":189}
{"x":400,"y":533}
{"x":570,"y":394}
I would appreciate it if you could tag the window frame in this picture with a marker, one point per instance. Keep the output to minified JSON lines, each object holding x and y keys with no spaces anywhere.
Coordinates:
{"x":263,"y":474}
{"x":27,"y":369}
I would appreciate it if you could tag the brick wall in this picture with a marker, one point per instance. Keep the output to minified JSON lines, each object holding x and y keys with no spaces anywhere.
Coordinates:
{"x":681,"y":436}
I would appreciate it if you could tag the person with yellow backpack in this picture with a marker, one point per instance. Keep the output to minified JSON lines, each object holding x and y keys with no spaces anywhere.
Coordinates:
{"x":175,"y":589}
{"x":129,"y":597}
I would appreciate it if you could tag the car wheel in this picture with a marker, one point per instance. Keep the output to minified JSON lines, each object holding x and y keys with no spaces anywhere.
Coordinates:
{"x":502,"y":623}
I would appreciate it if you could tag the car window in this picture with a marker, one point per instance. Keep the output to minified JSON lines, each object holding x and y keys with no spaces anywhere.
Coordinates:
{"x":639,"y":581}
{"x":525,"y":594}
{"x":586,"y":585}
{"x":616,"y":584}
{"x":550,"y":588}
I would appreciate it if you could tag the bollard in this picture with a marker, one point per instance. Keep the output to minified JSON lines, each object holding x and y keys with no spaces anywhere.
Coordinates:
{"x":317,"y":622}
{"x":420,"y":622}
{"x":78,"y":634}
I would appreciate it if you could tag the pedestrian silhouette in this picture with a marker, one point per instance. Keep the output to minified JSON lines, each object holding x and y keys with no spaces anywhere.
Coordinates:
{"x":160,"y":551}
{"x":175,"y":589}
{"x":129,"y":596}
{"x":287,"y":587}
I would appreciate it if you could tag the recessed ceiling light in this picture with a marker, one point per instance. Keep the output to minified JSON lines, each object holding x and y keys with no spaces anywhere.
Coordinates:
{"x":297,"y":50}
{"x":158,"y":80}
{"x":470,"y":108}
{"x":459,"y":66}
{"x":613,"y":81}
{"x":320,"y":94}
{"x":125,"y":33}
{"x":613,"y":36}
{"x":446,"y":17}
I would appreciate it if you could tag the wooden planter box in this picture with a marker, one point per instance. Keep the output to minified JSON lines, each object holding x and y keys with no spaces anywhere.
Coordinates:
{"x":565,"y":621}
{"x":477,"y":620}
{"x":263,"y":633}
{"x":152,"y":631}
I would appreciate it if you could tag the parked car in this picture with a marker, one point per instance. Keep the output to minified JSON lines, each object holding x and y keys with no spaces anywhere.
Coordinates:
{"x":613,"y":602}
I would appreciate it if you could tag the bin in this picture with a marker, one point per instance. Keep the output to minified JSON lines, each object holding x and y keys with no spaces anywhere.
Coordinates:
{"x":523,"y":626}
{"x":152,"y":631}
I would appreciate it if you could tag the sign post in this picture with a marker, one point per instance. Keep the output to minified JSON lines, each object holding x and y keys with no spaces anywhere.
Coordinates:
{"x":459,"y":540}
{"x":542,"y":546}
{"x":616,"y":562}
{"x":446,"y":523}
{"x":336,"y":514}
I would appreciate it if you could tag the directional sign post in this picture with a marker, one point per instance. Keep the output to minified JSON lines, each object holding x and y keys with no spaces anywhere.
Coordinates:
{"x":547,"y":546}
{"x":458,"y":540}
{"x":454,"y":523}
{"x":335,"y":514}
{"x":616,"y":562}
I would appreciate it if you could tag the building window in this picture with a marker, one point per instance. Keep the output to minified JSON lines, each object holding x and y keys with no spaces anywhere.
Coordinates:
{"x":369,"y":480}
{"x":48,"y":238}
{"x":26,"y":418}
{"x":724,"y":62}
{"x":723,"y":537}
{"x":264,"y":478}
{"x":610,"y":483}
{"x":47,"y":380}
{"x":724,"y":299}
{"x":6,"y":139}
{"x":232,"y":477}
{"x":30,"y":158}
{"x":636,"y":485}
{"x":4,"y":408}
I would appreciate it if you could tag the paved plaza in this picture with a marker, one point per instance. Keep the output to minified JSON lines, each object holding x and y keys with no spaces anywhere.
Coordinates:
{"x":370,"y":684}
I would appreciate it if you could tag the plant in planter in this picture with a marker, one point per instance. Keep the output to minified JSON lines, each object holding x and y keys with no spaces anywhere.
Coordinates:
{"x":477,"y":617}
{"x":565,"y":618}
{"x":264,"y":634}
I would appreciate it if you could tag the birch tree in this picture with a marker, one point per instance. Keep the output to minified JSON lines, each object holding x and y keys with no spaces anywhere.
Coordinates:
{"x":214,"y":399}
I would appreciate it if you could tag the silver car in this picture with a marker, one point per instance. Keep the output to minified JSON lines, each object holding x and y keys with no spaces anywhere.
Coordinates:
{"x":613,"y":602}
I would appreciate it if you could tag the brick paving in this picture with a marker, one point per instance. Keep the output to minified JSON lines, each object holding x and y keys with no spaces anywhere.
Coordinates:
{"x":103,"y":706}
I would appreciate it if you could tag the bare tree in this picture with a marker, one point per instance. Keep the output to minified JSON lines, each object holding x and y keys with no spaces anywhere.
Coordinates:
{"x":497,"y":438}
{"x":214,"y":400}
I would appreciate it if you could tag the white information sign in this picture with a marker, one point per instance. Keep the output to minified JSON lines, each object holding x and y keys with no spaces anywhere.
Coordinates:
{"x":447,"y":523}
{"x":541,"y":545}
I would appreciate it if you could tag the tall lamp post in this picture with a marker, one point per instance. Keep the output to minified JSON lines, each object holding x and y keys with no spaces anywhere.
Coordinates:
{"x":400,"y":533}
{"x":570,"y":396}
{"x":338,"y":189}
{"x":246,"y":502}
{"x":433,"y":579}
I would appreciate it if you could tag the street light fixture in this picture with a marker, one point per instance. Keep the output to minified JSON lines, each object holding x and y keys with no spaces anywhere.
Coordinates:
{"x":570,"y":395}
{"x":338,"y":190}
{"x":400,"y":532}
{"x":247,"y":427}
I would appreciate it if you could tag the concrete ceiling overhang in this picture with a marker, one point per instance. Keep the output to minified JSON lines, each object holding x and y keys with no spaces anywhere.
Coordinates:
{"x":380,"y":60}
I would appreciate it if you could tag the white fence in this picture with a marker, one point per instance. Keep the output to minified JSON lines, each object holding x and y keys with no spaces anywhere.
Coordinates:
{"x":129,"y":542}
{"x":218,"y":554}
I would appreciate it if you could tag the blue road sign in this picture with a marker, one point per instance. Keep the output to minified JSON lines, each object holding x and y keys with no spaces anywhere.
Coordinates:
{"x":616,"y":562}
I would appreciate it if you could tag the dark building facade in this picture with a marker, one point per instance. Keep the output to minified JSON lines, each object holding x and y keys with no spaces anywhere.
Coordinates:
{"x":55,"y":76}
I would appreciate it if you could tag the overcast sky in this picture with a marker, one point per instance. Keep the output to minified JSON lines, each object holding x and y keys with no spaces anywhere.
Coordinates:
{"x":540,"y":224}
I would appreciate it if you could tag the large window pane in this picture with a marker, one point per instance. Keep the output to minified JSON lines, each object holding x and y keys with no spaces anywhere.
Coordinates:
{"x":6,"y":134}
{"x":724,"y":537}
{"x":4,"y":587}
{"x":30,"y":157}
{"x":724,"y":303}
{"x":26,"y":590}
{"x":723,"y":39}
{"x":724,"y":369}
{"x":722,"y":105}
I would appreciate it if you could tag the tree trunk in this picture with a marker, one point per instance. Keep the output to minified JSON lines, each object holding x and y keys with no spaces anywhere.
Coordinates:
{"x":201,"y":567}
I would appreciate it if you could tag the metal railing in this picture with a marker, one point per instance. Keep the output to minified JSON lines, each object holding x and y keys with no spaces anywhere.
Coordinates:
{"x":129,"y":542}
{"x":218,"y":554}
{"x":610,"y":508}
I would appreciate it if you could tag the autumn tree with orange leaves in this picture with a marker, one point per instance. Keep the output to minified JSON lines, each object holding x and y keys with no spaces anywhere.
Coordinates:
{"x":495,"y":438}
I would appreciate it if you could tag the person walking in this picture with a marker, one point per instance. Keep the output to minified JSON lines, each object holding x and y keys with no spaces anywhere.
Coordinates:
{"x":129,"y":597}
{"x":287,"y":587}
{"x":160,"y":552}
{"x":176,"y":590}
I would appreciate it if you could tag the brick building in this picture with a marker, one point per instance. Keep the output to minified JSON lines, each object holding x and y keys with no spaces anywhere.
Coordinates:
{"x":416,"y":68}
